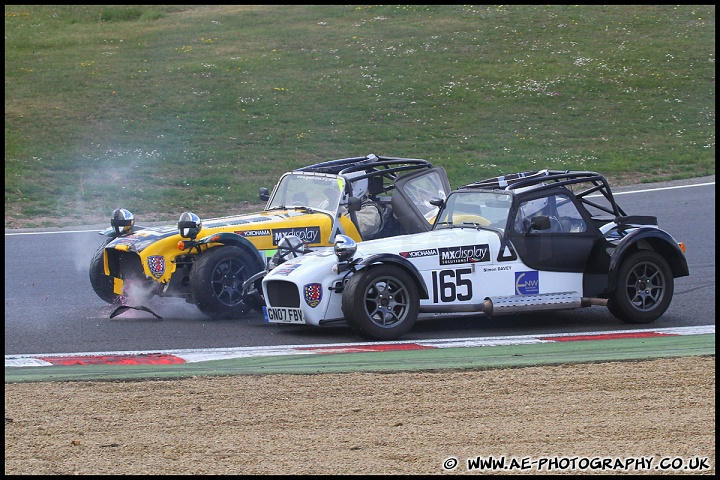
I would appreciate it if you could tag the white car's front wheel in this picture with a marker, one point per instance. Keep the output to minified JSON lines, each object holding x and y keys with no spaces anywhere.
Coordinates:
{"x":381,"y":302}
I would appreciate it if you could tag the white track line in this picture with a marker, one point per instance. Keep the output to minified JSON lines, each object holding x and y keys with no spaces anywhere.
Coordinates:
{"x":204,"y":355}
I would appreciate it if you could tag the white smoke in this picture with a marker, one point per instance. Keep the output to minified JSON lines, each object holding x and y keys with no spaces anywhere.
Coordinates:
{"x":140,"y":293}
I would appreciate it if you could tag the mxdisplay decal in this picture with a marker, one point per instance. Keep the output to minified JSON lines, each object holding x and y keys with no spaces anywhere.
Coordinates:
{"x":156,"y":263}
{"x":253,"y":233}
{"x":527,"y":283}
{"x":306,"y":234}
{"x":419,"y":253}
{"x":313,"y":294}
{"x":465,"y":254}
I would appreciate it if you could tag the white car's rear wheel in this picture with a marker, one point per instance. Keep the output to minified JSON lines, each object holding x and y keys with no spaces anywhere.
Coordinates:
{"x":644,"y":288}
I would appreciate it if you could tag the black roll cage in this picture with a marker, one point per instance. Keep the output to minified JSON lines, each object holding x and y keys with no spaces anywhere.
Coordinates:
{"x":547,"y":179}
{"x":374,"y":166}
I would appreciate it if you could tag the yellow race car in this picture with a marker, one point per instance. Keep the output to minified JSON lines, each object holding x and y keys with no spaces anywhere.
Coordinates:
{"x":218,"y":264}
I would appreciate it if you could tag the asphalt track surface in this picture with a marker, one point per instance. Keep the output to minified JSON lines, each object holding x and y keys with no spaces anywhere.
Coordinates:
{"x":694,"y":336}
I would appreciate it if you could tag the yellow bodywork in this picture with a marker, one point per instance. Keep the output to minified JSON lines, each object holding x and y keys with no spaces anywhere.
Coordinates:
{"x":261,"y":229}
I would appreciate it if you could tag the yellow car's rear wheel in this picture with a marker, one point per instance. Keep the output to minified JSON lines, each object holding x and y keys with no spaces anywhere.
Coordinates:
{"x":101,"y":283}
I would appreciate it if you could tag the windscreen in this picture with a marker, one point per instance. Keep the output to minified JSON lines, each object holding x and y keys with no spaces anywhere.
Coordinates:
{"x":468,"y":208}
{"x":316,"y":191}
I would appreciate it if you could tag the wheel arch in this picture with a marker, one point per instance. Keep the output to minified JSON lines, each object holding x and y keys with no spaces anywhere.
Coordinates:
{"x":649,"y":239}
{"x":398,"y":261}
{"x":110,"y":232}
{"x":233,"y":239}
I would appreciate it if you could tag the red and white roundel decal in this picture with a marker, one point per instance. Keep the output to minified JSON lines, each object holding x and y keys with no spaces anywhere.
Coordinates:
{"x":157,"y":265}
{"x":313,"y":294}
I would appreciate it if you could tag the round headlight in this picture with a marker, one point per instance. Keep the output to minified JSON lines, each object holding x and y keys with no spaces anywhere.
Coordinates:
{"x":122,"y":221}
{"x":345,"y":247}
{"x":189,"y":225}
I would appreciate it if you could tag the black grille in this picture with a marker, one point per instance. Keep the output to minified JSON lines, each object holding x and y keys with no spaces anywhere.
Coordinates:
{"x":282,"y":294}
{"x":124,"y":265}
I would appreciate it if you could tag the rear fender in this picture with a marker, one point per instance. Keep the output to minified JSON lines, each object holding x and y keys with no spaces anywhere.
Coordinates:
{"x":390,"y":259}
{"x":649,"y":239}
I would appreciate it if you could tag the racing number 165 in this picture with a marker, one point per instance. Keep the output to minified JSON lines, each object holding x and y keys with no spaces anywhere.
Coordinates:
{"x":451,"y":285}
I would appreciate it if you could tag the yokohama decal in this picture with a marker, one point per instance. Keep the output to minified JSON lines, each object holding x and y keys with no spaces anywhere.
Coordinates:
{"x":419,"y":253}
{"x":253,"y":233}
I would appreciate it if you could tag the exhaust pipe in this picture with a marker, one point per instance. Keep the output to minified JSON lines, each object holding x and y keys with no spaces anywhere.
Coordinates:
{"x":523,"y":303}
{"x":532,"y":303}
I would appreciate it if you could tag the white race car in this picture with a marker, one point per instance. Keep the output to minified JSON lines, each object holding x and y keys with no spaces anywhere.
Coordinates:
{"x":530,"y":241}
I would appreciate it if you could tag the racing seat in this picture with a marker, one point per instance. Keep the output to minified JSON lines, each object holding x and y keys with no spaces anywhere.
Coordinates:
{"x":370,"y":220}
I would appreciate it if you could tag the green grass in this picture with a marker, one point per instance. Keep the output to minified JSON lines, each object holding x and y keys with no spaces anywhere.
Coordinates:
{"x":163,"y":108}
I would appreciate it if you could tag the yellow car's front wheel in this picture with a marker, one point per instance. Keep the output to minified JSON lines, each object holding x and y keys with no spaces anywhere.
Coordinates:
{"x":216,"y":281}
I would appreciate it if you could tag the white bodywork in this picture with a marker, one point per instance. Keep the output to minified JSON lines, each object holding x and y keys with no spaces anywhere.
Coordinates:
{"x":459,"y":267}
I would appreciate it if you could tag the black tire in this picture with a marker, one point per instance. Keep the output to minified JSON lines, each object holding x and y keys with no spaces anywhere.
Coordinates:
{"x":216,"y":281}
{"x":101,"y":283}
{"x":644,"y":288}
{"x":381,"y":302}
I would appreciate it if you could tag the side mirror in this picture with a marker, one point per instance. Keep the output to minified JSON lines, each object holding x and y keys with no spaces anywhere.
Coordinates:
{"x":354,"y":204}
{"x":264,"y":194}
{"x":437,"y":201}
